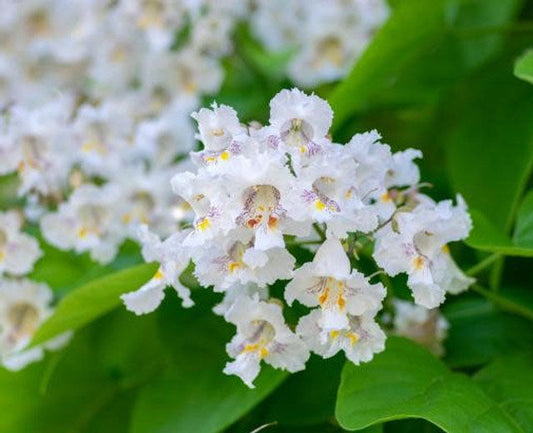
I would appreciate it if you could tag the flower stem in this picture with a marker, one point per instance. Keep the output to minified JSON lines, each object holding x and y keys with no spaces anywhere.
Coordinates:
{"x":483,"y":264}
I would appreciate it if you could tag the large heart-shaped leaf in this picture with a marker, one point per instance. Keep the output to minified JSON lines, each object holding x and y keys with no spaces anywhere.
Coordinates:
{"x":406,"y":381}
{"x":509,"y":381}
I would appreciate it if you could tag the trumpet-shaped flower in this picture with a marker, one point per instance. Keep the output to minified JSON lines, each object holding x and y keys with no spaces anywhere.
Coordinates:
{"x":416,"y":243}
{"x":173,"y":260}
{"x":329,"y":282}
{"x":360,"y":340}
{"x":262,"y":335}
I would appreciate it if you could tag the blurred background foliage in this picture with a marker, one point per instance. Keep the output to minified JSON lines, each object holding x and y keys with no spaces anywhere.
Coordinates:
{"x":439,"y":76}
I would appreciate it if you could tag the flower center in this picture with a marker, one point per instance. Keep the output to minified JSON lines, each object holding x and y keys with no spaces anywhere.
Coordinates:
{"x":330,"y":293}
{"x":261,"y":207}
{"x":298,"y":134}
{"x":92,"y":219}
{"x":261,"y":334}
{"x":24,"y":320}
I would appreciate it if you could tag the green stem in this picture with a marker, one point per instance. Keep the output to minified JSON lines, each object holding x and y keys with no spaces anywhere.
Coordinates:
{"x":503,"y":303}
{"x":496,"y":274}
{"x":297,"y":243}
{"x":483,"y":264}
{"x":319,"y":231}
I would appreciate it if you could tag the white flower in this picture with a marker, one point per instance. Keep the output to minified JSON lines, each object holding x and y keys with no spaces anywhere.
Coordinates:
{"x":145,"y":198}
{"x":360,"y":340}
{"x":88,"y":221}
{"x":275,"y":23}
{"x":403,"y":171}
{"x":427,"y":327}
{"x":329,"y":282}
{"x":261,"y":335}
{"x":373,"y":161}
{"x":173,"y":260}
{"x":416,"y":243}
{"x":103,"y":137}
{"x":162,"y":139}
{"x":18,"y":251}
{"x":24,"y":306}
{"x":158,"y":20}
{"x":169,"y":73}
{"x":34,"y":146}
{"x":260,"y":196}
{"x":325,"y":37}
{"x":208,"y":199}
{"x":233,"y":260}
{"x":326,"y":193}
{"x":237,"y":291}
{"x":220,"y":132}
{"x":301,"y":122}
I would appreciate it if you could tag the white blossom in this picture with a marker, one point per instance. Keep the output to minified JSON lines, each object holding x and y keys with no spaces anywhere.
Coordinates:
{"x":18,"y":251}
{"x":24,"y":306}
{"x":416,"y":243}
{"x":360,"y":340}
{"x":261,"y":335}
{"x":329,"y":282}
{"x":173,"y":259}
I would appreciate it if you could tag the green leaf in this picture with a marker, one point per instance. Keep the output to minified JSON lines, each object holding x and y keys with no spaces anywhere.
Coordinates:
{"x":193,"y":394}
{"x":513,"y":300}
{"x":485,"y":236}
{"x":523,"y":233}
{"x":406,"y":381}
{"x":412,"y":59}
{"x":508,"y":381}
{"x":490,"y":142}
{"x":203,"y":400}
{"x":89,"y":386}
{"x":307,"y":397}
{"x":93,"y":300}
{"x":479,"y":332}
{"x":523,"y":68}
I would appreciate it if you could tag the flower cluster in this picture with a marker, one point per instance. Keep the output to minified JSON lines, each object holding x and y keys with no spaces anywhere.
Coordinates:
{"x":103,"y":49}
{"x":326,"y":37}
{"x":259,"y":190}
{"x":95,"y":103}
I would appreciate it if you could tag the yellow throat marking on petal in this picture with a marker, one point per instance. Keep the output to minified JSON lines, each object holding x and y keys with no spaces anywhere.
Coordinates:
{"x":353,"y":338}
{"x":385,"y":197}
{"x":418,"y":263}
{"x":82,"y":233}
{"x":256,"y":347}
{"x":126,"y":218}
{"x":203,"y":225}
{"x":93,"y":145}
{"x":334,"y":334}
{"x":158,"y":275}
{"x":224,"y":156}
{"x":319,"y":205}
{"x":233,"y":266}
{"x":446,"y":249}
